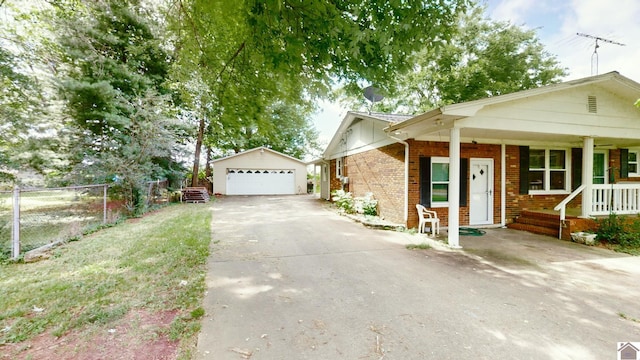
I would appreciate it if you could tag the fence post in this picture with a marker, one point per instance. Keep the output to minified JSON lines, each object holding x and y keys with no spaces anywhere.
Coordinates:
{"x":104,"y":204}
{"x":15,"y":233}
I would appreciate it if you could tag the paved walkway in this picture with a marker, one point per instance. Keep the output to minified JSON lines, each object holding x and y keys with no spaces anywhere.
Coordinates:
{"x":290,"y":279}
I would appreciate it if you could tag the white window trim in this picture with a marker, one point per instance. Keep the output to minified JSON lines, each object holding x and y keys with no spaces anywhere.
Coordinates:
{"x":547,"y":172}
{"x":637,"y":173}
{"x":438,"y":160}
{"x":339,"y":168}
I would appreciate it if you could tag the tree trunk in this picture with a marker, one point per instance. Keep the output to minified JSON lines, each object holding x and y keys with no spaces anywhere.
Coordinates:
{"x":208,"y":172}
{"x":196,"y":162}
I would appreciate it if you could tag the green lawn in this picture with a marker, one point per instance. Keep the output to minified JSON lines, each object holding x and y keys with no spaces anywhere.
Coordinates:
{"x":155,"y":264}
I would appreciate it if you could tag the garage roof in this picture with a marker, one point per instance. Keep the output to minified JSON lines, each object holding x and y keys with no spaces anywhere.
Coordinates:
{"x":262,"y":149}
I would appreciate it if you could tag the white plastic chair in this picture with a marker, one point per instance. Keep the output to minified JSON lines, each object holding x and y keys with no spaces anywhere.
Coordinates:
{"x":428,"y":217}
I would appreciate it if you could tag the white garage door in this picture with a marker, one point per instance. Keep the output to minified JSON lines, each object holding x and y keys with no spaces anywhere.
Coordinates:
{"x":261,"y":182}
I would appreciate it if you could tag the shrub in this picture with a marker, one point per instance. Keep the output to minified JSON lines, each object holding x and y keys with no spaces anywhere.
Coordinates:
{"x":610,"y":228}
{"x":616,"y":230}
{"x":344,"y":201}
{"x":367,"y":205}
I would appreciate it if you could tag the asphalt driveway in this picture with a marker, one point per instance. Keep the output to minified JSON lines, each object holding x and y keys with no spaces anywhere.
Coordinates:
{"x":290,"y":279}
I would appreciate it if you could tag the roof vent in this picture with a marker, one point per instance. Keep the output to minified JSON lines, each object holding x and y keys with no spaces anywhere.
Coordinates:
{"x":592,"y":104}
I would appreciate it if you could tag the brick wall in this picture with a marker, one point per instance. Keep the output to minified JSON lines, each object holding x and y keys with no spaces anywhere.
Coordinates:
{"x":430,"y":149}
{"x":381,"y":172}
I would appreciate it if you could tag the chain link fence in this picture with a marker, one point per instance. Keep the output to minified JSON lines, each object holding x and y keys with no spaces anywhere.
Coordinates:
{"x":44,"y":216}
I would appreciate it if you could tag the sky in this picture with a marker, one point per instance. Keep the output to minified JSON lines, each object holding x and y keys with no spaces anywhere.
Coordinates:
{"x":557,"y":24}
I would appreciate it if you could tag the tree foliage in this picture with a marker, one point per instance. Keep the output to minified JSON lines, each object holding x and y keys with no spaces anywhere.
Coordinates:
{"x":115,"y":96}
{"x":257,"y":57}
{"x":483,"y":58}
{"x":20,"y":103}
{"x":243,"y":74}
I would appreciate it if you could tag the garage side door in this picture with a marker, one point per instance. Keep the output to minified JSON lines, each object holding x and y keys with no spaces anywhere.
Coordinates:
{"x":261,"y":182}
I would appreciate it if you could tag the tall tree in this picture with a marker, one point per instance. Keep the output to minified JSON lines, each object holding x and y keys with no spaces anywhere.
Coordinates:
{"x":21,"y":97}
{"x":115,"y":96}
{"x":484,"y":58}
{"x":254,"y":53}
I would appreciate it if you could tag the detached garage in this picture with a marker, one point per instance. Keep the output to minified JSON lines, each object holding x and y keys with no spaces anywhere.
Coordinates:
{"x":259,"y":171}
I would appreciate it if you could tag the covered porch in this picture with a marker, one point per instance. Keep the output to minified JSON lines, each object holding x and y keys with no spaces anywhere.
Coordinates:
{"x":568,"y":145}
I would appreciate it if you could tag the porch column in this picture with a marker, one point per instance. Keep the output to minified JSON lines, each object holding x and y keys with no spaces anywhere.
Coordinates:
{"x":587,"y":175}
{"x":454,"y":188}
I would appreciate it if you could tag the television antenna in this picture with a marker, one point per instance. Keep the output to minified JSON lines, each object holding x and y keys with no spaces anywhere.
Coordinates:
{"x":372,"y":94}
{"x":594,"y":56}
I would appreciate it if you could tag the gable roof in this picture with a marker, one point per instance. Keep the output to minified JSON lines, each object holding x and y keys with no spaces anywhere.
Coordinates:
{"x":261,"y":148}
{"x":437,"y":120}
{"x":352,"y":116}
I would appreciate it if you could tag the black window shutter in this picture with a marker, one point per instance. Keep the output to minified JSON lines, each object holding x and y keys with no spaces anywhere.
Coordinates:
{"x":425,"y":181}
{"x":624,"y":163}
{"x":524,"y":170}
{"x":576,"y":168}
{"x":464,"y":181}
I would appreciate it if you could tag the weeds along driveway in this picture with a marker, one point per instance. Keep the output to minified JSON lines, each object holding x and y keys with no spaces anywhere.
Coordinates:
{"x":290,"y":279}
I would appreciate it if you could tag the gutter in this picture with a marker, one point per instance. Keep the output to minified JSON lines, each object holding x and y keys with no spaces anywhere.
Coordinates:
{"x":406,"y":177}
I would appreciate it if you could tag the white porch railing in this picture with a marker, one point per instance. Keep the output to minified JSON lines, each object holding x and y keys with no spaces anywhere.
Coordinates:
{"x":562,"y":207}
{"x":619,"y":199}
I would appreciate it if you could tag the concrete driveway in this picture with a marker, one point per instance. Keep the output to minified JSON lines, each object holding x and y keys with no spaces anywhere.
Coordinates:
{"x":290,"y":279}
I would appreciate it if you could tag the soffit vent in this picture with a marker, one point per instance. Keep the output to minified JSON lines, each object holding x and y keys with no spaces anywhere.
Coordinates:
{"x":592,"y":104}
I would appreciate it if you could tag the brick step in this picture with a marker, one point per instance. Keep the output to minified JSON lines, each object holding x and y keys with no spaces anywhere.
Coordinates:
{"x":539,"y":215}
{"x":535,"y":229}
{"x":538,"y":221}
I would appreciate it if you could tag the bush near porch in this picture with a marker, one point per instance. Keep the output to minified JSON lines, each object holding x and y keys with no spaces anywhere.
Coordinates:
{"x":620,"y":233}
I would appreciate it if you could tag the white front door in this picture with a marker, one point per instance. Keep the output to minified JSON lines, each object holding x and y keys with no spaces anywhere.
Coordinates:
{"x":481,"y":192}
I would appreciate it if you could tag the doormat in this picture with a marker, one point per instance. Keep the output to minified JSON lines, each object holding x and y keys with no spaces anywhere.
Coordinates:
{"x":471,"y":231}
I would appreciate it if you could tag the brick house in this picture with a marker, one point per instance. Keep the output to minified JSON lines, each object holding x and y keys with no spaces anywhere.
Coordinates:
{"x":483,"y":162}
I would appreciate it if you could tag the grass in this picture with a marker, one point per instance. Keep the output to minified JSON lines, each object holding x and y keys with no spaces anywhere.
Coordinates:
{"x":156,"y":264}
{"x":626,"y":317}
{"x":423,"y":246}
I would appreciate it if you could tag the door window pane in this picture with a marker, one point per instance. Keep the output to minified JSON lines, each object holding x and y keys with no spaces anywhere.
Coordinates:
{"x":598,"y":168}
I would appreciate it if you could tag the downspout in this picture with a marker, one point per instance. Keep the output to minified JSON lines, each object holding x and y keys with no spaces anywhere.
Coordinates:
{"x":503,"y":186}
{"x":406,"y":177}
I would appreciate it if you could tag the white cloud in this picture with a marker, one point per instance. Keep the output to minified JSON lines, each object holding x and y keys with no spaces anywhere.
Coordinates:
{"x":514,"y":11}
{"x":601,"y":19}
{"x":561,"y":21}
